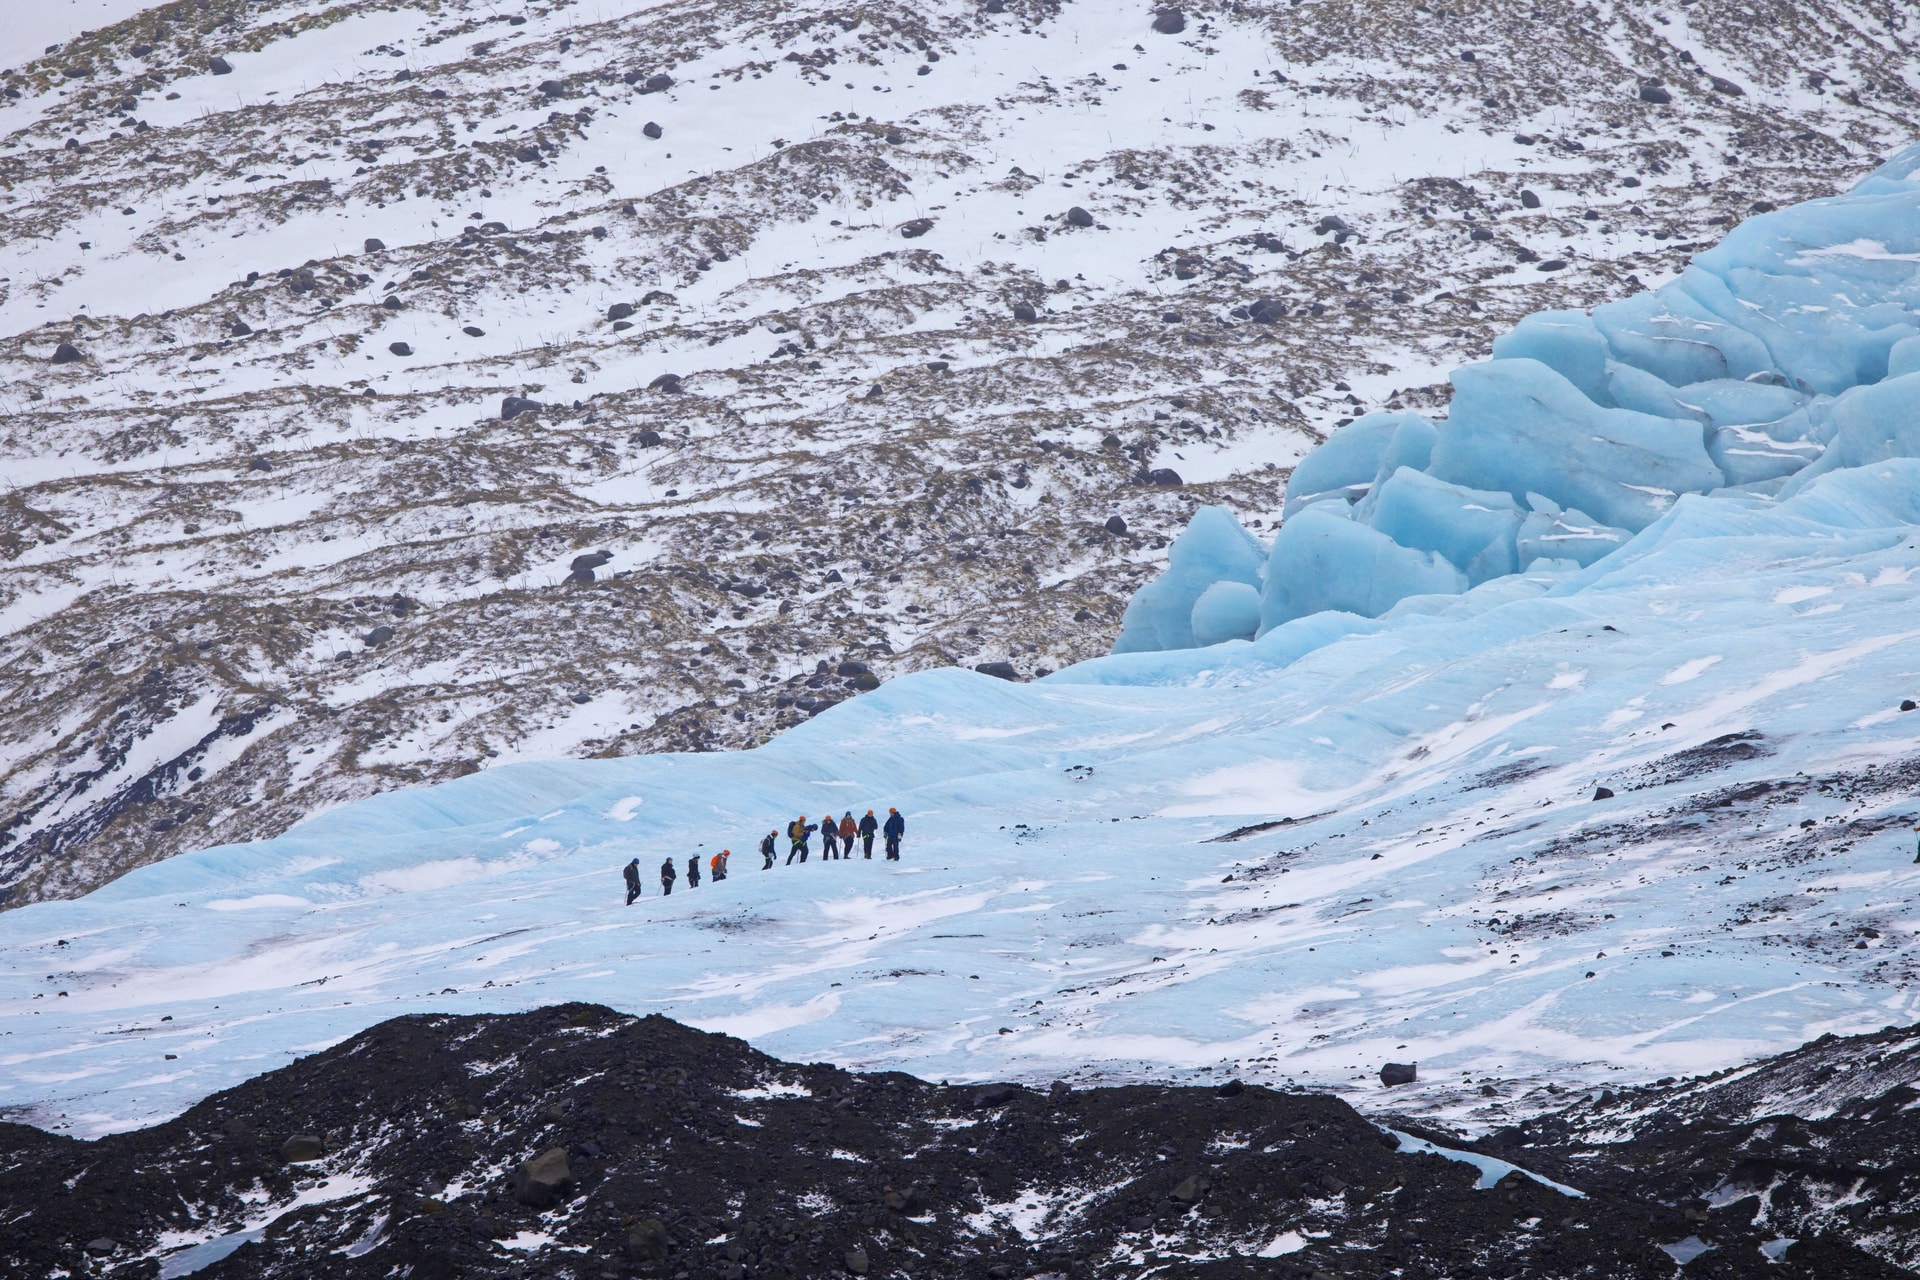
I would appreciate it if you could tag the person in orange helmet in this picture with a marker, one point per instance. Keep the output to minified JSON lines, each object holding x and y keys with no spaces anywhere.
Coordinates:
{"x":797,"y":832}
{"x":868,"y":825}
{"x":848,"y":829}
{"x":718,"y":865}
{"x":894,"y":828}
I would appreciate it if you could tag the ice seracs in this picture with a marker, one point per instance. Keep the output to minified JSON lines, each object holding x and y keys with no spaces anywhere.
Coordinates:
{"x":1789,"y":351}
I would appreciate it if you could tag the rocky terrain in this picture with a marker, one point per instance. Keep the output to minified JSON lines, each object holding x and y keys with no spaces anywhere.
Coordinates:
{"x":388,"y":390}
{"x":573,"y":1141}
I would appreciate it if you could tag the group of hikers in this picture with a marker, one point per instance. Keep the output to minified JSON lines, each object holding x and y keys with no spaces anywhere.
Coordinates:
{"x":837,"y":837}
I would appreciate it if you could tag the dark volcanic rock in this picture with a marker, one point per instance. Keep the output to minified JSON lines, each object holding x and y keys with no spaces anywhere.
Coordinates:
{"x":998,"y":670}
{"x":1165,"y":476}
{"x":1115,"y":525}
{"x":374,"y":244}
{"x":67,"y":353}
{"x":513,"y":406}
{"x":219,"y":66}
{"x":1655,"y":93}
{"x":1398,"y":1073}
{"x":679,"y":1152}
{"x":400,"y":348}
{"x":1079,"y":217}
{"x":1025,"y":311}
{"x":651,"y":129}
{"x":1169,"y":22}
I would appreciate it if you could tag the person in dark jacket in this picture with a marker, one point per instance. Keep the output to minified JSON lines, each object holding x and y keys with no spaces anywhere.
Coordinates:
{"x":829,"y":838}
{"x":894,"y":828}
{"x":693,"y":872}
{"x":767,"y":849}
{"x":632,"y":872}
{"x":868,"y":825}
{"x":667,"y":876}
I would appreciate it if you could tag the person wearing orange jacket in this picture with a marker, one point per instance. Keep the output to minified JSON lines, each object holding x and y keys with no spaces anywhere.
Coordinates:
{"x":848,"y":830}
{"x":718,"y":865}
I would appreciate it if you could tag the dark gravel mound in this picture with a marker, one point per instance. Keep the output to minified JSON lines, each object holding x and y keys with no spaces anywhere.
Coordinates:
{"x":578,"y":1142}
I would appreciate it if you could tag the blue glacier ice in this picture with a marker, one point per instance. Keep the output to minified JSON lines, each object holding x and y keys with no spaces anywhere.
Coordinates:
{"x":1788,"y":351}
{"x":1334,"y":804}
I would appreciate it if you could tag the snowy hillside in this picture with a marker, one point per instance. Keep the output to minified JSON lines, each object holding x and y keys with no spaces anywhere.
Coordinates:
{"x":943,"y":289}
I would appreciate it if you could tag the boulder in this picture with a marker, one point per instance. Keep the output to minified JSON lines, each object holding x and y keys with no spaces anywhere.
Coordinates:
{"x":1656,"y":93}
{"x":541,"y":1181}
{"x":1164,"y":476}
{"x":259,"y":464}
{"x":378,"y":636}
{"x":619,"y":311}
{"x":102,"y":1246}
{"x":400,"y":348}
{"x":1169,"y":22}
{"x":219,"y":66}
{"x":1266,"y":310}
{"x":553,"y":88}
{"x":914,"y":228}
{"x":1191,"y":1189}
{"x":1727,"y":87}
{"x":1330,"y":223}
{"x":1603,"y":793}
{"x":591,"y":560}
{"x":852,"y":668}
{"x":1078,"y":217}
{"x":648,"y":1242}
{"x":392,"y":302}
{"x":239,"y":328}
{"x":1528,"y":200}
{"x":1398,"y":1073}
{"x":651,"y":129}
{"x":302,"y":1147}
{"x":998,"y":670}
{"x":667,"y":382}
{"x":648,"y":439}
{"x":473,"y":331}
{"x":67,"y":353}
{"x":856,"y":1260}
{"x":513,"y":406}
{"x":995,"y":1095}
{"x":374,"y":244}
{"x":1115,"y":525}
{"x":1025,"y":311}
{"x":1908,"y":704}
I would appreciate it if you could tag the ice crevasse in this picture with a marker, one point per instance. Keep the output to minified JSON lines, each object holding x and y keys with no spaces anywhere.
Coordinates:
{"x":1789,"y":350}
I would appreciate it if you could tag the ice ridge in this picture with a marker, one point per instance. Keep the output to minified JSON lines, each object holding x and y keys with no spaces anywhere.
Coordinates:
{"x":1788,"y":351}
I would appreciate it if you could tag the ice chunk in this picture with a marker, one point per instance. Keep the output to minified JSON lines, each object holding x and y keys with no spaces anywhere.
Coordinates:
{"x":1903,"y":357}
{"x":1552,"y":539}
{"x":1472,"y":528}
{"x":1669,"y":334}
{"x":1213,"y":548}
{"x":1870,"y":424}
{"x":1322,"y":559}
{"x":1567,"y":343}
{"x":1226,"y":611}
{"x":1352,"y":457}
{"x":1519,"y":426}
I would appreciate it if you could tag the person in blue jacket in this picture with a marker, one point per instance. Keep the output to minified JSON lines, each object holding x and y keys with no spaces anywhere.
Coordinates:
{"x":893,"y":829}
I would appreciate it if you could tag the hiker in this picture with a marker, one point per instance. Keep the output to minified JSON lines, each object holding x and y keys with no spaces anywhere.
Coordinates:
{"x":868,"y":825}
{"x":767,"y":849}
{"x":797,"y":833}
{"x":1916,"y":844}
{"x":667,"y":876}
{"x":632,"y":872}
{"x":693,"y":872}
{"x":896,"y":826}
{"x":829,"y":838}
{"x":848,"y":829}
{"x":719,"y":865}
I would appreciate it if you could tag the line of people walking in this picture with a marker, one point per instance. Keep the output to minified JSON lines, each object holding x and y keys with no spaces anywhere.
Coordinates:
{"x":837,"y":838}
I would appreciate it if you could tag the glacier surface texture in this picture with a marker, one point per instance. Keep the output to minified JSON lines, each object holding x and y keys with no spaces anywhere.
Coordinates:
{"x":1666,"y":551}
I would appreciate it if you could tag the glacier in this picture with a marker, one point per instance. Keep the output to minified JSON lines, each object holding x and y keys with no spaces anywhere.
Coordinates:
{"x":1540,"y":748}
{"x":1788,"y":351}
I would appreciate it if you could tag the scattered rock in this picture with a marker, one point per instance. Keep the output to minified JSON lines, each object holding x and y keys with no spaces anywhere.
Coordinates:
{"x":374,"y":244}
{"x":378,"y":636}
{"x":1552,"y":264}
{"x":659,"y":82}
{"x":1655,"y":92}
{"x":998,"y":670}
{"x":1116,"y":525}
{"x":67,"y":353}
{"x":553,"y":88}
{"x":513,"y":406}
{"x":619,"y":311}
{"x":1908,"y":704}
{"x":856,"y":1261}
{"x":1079,"y":217}
{"x":400,"y":348}
{"x":648,"y":439}
{"x":541,"y":1181}
{"x":1231,"y":1089}
{"x":667,"y":382}
{"x":1266,"y":310}
{"x":914,"y":228}
{"x":1528,"y":200}
{"x":648,"y":1242}
{"x":239,"y":328}
{"x":219,"y":66}
{"x":851,"y":668}
{"x":101,"y":1246}
{"x":1398,"y":1073}
{"x":302,"y":1147}
{"x":1190,"y":1189}
{"x":259,"y":464}
{"x":1169,"y":22}
{"x":392,"y":302}
{"x":1164,"y":476}
{"x":1727,"y":87}
{"x":1603,"y":793}
{"x":651,"y":129}
{"x":1331,"y":223}
{"x":1025,"y":311}
{"x":473,"y":331}
{"x":995,"y":1095}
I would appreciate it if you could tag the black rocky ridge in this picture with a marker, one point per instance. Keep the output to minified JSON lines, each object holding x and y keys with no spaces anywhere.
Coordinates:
{"x":574,"y":1141}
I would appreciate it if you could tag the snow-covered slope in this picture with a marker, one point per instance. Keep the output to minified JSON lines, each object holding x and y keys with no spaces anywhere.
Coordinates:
{"x":1290,"y":860}
{"x":870,"y":457}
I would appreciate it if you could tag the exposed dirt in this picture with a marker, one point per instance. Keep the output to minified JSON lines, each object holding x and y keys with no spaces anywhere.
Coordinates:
{"x":577,"y":1142}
